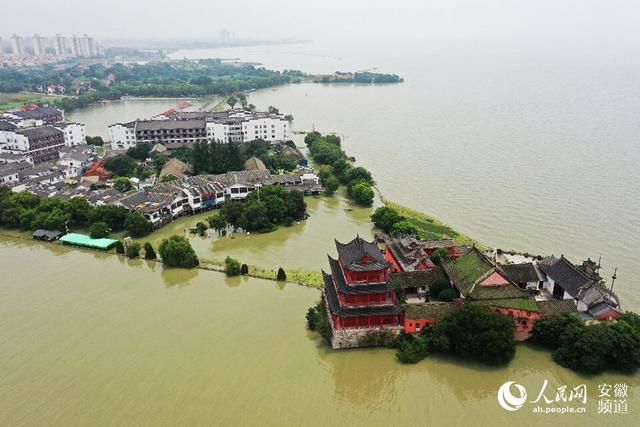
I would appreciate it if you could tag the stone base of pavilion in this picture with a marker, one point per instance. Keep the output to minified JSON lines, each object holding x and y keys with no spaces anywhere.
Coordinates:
{"x":353,"y":337}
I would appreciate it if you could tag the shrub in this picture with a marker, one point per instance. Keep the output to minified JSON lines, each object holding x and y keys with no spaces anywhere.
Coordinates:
{"x":412,"y":349}
{"x":149,"y":253}
{"x":438,"y":286}
{"x":133,"y":250}
{"x":244,"y":269}
{"x":201,"y":227}
{"x":176,"y":251}
{"x":281,"y":276}
{"x":232,"y":267}
{"x":447,"y":294}
{"x":99,"y":230}
{"x":119,"y":247}
{"x":313,"y":319}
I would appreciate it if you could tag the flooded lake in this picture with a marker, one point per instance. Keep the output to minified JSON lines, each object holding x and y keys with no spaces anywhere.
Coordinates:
{"x":92,"y":339}
{"x":533,"y":148}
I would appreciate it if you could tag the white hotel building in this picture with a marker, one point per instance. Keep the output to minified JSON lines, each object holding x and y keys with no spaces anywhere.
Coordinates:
{"x":222,"y":127}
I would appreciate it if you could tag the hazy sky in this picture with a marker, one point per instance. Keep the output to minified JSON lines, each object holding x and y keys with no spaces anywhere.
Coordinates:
{"x":327,"y":19}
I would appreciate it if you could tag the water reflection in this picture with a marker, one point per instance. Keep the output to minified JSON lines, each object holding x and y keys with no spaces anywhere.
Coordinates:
{"x":178,"y":276}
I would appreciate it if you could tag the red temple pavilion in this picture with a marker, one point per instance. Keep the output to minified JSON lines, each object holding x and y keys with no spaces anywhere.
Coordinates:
{"x":358,"y":291}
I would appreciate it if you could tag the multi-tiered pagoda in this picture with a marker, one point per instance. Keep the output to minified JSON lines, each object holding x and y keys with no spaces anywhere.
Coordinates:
{"x":358,"y":292}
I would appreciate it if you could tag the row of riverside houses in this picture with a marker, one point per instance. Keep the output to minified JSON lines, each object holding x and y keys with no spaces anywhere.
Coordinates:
{"x":236,"y":125}
{"x":361,"y":289}
{"x":159,"y":202}
{"x":37,"y":134}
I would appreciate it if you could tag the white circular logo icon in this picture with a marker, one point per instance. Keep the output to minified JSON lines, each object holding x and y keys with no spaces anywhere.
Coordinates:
{"x":507,"y":400}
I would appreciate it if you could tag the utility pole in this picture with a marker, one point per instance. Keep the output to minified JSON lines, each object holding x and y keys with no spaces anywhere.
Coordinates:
{"x":613,"y":279}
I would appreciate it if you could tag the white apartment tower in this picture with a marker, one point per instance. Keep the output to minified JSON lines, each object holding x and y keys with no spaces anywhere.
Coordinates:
{"x":39,"y":45}
{"x":17,"y":45}
{"x":87,"y":47}
{"x":59,"y":45}
{"x":75,"y":45}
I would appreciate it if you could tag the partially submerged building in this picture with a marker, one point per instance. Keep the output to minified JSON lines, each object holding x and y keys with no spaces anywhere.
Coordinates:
{"x":359,"y":296}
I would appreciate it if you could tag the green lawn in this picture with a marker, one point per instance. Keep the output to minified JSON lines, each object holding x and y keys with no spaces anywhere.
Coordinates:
{"x":430,"y":228}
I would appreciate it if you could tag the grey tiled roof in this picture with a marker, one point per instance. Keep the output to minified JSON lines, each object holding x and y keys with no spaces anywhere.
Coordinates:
{"x":350,"y":255}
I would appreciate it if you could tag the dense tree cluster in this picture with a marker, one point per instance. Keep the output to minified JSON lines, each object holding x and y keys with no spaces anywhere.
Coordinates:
{"x":125,"y":165}
{"x":391,"y":222}
{"x":176,"y":251}
{"x":186,"y":78}
{"x":262,"y":210}
{"x":326,"y":150}
{"x":592,"y":348}
{"x":362,"y":77}
{"x":94,"y":140}
{"x":28,"y":212}
{"x":472,"y":332}
{"x":222,"y":158}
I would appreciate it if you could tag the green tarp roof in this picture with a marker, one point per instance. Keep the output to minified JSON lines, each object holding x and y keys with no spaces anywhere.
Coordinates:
{"x":88,"y":242}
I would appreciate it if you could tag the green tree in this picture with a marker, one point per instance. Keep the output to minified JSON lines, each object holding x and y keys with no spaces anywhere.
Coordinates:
{"x":362,"y":193}
{"x":478,"y":334}
{"x":331,"y":185}
{"x":99,"y":230}
{"x":218,"y":222}
{"x":201,"y":227}
{"x":133,"y":250}
{"x":140,"y":151}
{"x":412,"y":349}
{"x":149,"y":252}
{"x":137,"y":225}
{"x":281,"y":276}
{"x":438,"y":286}
{"x":114,"y":216}
{"x":121,"y":165}
{"x":232,"y":267}
{"x":94,"y":140}
{"x":359,"y":174}
{"x":447,"y":295}
{"x":440,"y":256}
{"x":403,"y":228}
{"x":176,"y":251}
{"x":231,"y":101}
{"x":122,"y":184}
{"x":548,"y":332}
{"x":313,"y":318}
{"x":385,"y":218}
